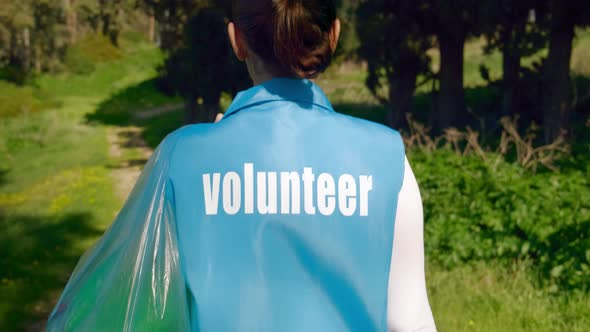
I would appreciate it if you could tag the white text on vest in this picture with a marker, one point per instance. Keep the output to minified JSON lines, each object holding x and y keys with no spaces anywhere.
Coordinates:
{"x":238,"y":194}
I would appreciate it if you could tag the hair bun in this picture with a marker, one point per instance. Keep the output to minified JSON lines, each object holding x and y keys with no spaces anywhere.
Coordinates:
{"x":293,"y":35}
{"x":301,"y":38}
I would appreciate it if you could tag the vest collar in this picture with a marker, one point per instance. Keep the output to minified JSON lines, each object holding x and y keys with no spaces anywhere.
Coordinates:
{"x":303,"y":92}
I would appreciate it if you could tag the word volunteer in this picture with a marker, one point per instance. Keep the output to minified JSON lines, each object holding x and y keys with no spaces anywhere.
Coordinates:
{"x":330,"y":193}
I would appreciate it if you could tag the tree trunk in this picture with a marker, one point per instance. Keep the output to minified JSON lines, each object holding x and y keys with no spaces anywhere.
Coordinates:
{"x":105,"y":18}
{"x":114,"y":37}
{"x":26,"y":53}
{"x":37,"y":59}
{"x":556,"y":80}
{"x":12,"y":48}
{"x":71,"y":21}
{"x":401,"y":93}
{"x":106,"y":25}
{"x":511,"y":57}
{"x":451,"y":102}
{"x":151,"y":26}
{"x":191,"y":110}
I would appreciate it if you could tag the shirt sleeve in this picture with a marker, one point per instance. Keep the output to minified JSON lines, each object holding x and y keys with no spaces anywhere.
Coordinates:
{"x":408,"y":309}
{"x":131,"y":280}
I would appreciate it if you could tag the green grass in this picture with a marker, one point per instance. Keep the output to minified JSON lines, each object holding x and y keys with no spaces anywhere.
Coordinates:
{"x":56,"y":191}
{"x":580,"y":61}
{"x":18,"y":100}
{"x":55,"y":199}
{"x":493,"y":297}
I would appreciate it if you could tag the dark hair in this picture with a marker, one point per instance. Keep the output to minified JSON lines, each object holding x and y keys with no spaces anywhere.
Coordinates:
{"x":292,"y":35}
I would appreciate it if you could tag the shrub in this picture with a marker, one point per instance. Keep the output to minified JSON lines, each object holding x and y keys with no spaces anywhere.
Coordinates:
{"x":82,"y":57}
{"x":505,"y":203}
{"x":489,"y":209}
{"x":98,"y":48}
{"x":77,"y":62}
{"x":16,"y":99}
{"x":13,"y":74}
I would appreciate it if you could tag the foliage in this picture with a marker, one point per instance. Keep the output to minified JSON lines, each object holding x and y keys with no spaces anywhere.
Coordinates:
{"x":173,"y":16}
{"x":56,"y":185}
{"x":505,"y":205}
{"x":77,"y":62}
{"x":31,"y":34}
{"x":35,"y":34}
{"x":488,"y":209}
{"x":193,"y":71}
{"x":349,"y":40}
{"x":98,"y":48}
{"x":17,"y":100}
{"x":81,"y":57}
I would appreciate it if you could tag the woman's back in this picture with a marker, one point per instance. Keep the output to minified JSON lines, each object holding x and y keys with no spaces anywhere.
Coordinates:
{"x":281,"y":217}
{"x":286,"y":222}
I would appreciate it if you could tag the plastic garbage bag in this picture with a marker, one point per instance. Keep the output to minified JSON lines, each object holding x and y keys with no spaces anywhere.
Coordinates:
{"x":131,"y":279}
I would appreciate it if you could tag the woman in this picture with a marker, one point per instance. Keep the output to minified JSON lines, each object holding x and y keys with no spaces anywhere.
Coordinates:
{"x":283,"y":216}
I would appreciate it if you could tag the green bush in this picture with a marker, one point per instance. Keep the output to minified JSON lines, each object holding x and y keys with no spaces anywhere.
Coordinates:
{"x":16,"y":99}
{"x":82,"y":57}
{"x":98,"y":48}
{"x":13,"y":74}
{"x":483,"y":210}
{"x":77,"y":62}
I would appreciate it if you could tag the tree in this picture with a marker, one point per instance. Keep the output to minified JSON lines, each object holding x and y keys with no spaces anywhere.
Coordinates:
{"x":71,"y":13}
{"x":414,"y":24}
{"x":31,"y":38}
{"x":565,"y":16}
{"x":518,"y":30}
{"x":510,"y":29}
{"x":102,"y":16}
{"x":16,"y":20}
{"x":394,"y":44}
{"x":48,"y":37}
{"x":349,"y":42}
{"x":204,"y":67}
{"x":34,"y":34}
{"x":452,"y":22}
{"x":172,"y":17}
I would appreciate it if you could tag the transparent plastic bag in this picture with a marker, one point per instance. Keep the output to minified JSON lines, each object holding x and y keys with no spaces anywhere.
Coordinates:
{"x":131,"y":280}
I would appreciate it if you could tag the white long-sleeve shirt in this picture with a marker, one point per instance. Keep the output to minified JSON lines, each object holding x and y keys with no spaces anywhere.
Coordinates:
{"x":408,"y":309}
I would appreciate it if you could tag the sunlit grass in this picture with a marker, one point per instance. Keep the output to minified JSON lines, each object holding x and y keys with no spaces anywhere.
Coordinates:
{"x":580,"y":59}
{"x":56,"y":199}
{"x":492,"y":297}
{"x":56,"y":191}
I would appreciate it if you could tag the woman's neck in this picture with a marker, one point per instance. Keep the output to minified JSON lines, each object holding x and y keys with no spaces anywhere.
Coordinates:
{"x":260,"y":72}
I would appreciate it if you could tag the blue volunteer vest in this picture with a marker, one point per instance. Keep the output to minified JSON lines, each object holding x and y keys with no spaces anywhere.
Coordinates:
{"x":285,"y":213}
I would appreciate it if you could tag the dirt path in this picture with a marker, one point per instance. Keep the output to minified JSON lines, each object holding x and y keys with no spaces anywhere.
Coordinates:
{"x":156,"y":111}
{"x":130,"y":152}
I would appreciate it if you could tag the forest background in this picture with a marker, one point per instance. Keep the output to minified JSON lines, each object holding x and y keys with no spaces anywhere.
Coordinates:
{"x":492,"y":98}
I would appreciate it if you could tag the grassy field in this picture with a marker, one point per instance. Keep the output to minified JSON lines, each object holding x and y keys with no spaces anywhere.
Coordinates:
{"x":58,"y":193}
{"x":490,"y":298}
